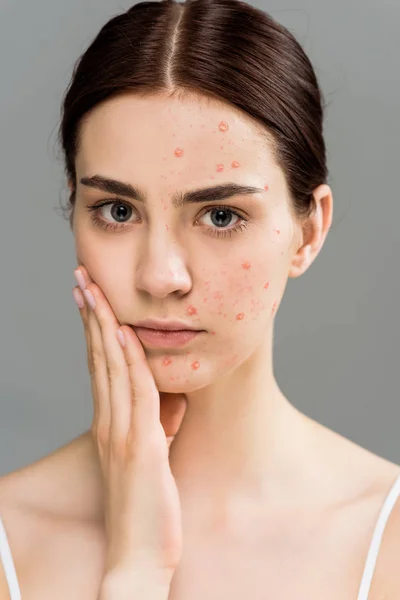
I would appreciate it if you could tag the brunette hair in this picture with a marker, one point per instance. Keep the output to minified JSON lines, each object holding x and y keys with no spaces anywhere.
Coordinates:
{"x":221,"y":49}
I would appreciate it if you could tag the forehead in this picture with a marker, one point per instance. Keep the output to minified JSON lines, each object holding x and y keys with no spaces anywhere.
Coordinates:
{"x":129,"y":137}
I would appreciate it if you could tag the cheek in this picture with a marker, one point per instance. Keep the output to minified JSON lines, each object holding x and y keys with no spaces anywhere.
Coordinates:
{"x":240,"y":293}
{"x":104,"y":267}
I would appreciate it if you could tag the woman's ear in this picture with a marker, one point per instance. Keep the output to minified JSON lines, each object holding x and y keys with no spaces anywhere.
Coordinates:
{"x":314,"y":233}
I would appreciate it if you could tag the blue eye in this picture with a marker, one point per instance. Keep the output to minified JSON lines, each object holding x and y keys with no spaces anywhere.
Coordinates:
{"x":102,"y":223}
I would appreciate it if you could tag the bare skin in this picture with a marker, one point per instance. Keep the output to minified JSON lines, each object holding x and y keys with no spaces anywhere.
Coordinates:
{"x":273,"y":503}
{"x":52,"y":512}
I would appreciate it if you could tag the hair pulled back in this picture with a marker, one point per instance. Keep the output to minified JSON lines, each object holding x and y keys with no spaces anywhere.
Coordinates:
{"x":222,"y":49}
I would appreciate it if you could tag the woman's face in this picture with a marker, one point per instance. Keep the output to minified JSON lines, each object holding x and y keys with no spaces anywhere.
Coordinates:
{"x":168,"y":262}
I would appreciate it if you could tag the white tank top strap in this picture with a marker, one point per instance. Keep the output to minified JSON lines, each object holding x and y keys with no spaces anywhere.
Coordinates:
{"x":8,"y":563}
{"x":376,"y":540}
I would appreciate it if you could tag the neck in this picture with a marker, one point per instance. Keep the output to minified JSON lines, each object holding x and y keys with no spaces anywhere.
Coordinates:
{"x":240,"y":440}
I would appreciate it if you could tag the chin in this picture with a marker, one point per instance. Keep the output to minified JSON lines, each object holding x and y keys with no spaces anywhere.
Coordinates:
{"x":179,"y":381}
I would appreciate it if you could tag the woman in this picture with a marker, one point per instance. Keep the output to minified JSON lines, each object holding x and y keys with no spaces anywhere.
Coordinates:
{"x":178,"y":115}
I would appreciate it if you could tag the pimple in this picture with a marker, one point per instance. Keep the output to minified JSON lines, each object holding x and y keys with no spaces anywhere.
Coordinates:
{"x":223,"y":126}
{"x":266,"y":286}
{"x":192,"y":310}
{"x":274,"y":307}
{"x":166,"y":362}
{"x":278,"y":231}
{"x":246,"y":265}
{"x":195,"y":365}
{"x":239,"y":316}
{"x":178,"y":152}
{"x":205,"y":299}
{"x":220,"y":168}
{"x":235,"y":164}
{"x":266,"y":188}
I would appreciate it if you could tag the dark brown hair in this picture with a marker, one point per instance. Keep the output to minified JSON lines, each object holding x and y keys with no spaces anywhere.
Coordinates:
{"x":222,"y":49}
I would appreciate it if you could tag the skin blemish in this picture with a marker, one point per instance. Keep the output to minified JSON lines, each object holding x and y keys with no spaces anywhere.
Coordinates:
{"x":213,"y":333}
{"x":278,"y":231}
{"x":246,"y":265}
{"x":192,"y":310}
{"x":166,"y":362}
{"x":195,"y":365}
{"x":274,"y":307}
{"x":220,"y":167}
{"x":235,"y":164}
{"x":266,"y":285}
{"x":223,"y":126}
{"x":266,"y":188}
{"x":239,"y":316}
{"x":218,"y":295}
{"x":205,"y":299}
{"x":178,"y":152}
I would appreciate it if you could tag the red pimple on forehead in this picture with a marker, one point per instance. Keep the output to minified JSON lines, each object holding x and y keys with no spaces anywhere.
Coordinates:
{"x":246,"y":265}
{"x":239,"y":316}
{"x":178,"y":152}
{"x":192,"y":310}
{"x":195,"y":365}
{"x":220,"y":167}
{"x":223,"y":126}
{"x":235,"y":164}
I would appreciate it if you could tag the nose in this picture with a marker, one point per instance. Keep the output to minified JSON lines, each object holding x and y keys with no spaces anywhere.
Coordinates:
{"x":161,"y":268}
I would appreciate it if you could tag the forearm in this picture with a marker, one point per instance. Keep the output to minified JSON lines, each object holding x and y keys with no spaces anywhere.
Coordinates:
{"x":135,"y":586}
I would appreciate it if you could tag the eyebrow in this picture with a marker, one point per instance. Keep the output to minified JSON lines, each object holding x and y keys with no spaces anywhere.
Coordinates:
{"x":217,"y":192}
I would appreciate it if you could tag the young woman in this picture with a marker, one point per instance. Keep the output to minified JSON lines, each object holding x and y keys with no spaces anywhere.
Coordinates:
{"x":194,"y":153}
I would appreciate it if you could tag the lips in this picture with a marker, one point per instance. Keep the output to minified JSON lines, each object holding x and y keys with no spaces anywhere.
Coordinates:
{"x":165,"y":339}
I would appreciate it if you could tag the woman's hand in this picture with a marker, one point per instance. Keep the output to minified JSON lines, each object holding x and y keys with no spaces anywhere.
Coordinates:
{"x":132,"y":425}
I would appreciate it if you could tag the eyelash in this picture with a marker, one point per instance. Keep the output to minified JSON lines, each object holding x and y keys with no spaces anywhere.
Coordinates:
{"x":101,"y":224}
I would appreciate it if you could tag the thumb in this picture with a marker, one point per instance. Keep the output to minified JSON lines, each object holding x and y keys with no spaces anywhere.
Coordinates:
{"x":172,"y":411}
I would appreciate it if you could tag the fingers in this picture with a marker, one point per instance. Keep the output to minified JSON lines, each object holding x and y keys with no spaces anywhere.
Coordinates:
{"x":127,"y":397}
{"x":97,"y":367}
{"x":145,"y":416}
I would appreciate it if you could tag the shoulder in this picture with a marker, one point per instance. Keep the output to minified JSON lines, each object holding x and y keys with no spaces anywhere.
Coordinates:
{"x":47,"y":541}
{"x":386,"y":577}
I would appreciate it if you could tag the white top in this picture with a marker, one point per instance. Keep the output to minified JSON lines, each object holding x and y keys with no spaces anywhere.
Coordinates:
{"x":390,"y":500}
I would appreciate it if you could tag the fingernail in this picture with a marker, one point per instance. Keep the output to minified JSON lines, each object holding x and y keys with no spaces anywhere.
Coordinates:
{"x":121,"y":337}
{"x":90,"y":298}
{"x":78,"y":297}
{"x":80,"y":279}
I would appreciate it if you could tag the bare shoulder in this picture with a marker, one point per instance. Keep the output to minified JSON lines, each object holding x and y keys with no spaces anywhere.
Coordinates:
{"x":386,"y":578}
{"x":373,"y":477}
{"x":51,"y":527}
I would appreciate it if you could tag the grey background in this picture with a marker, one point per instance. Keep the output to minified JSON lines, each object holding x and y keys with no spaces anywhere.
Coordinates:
{"x":337,"y":330}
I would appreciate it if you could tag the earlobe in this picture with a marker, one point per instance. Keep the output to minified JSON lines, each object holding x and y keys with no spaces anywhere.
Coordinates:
{"x":301,"y":261}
